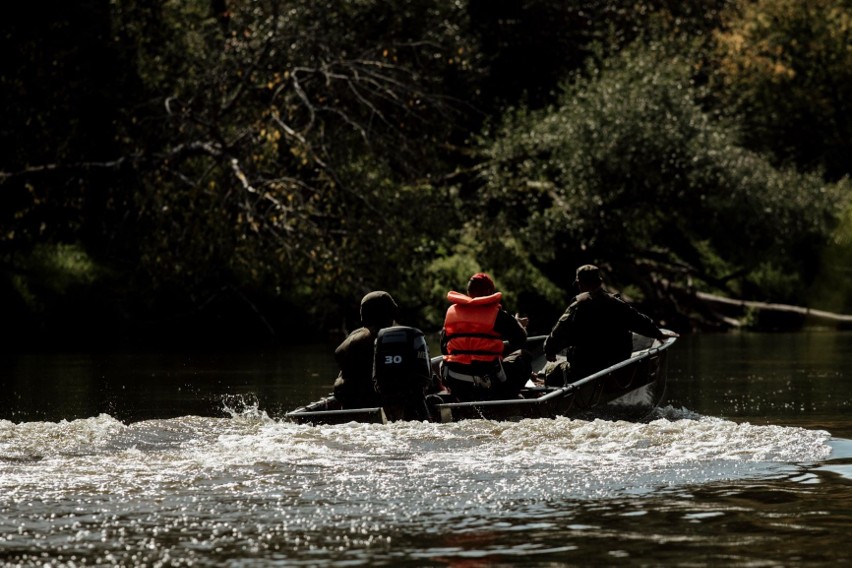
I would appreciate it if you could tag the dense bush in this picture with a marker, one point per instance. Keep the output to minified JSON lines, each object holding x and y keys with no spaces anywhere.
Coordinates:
{"x":259,"y":165}
{"x":784,"y":67}
{"x":629,"y":170}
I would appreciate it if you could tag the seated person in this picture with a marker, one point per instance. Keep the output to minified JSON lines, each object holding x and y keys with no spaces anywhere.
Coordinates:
{"x":475,"y":327}
{"x":354,"y":386}
{"x":596,"y":328}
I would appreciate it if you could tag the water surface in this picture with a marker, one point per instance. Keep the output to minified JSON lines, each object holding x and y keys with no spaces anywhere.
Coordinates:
{"x":135,"y":459}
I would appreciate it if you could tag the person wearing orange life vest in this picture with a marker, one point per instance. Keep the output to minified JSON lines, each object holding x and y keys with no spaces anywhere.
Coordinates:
{"x":477,"y":364}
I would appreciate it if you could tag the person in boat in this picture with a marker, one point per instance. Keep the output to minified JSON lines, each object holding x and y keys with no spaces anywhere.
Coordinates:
{"x":477,"y":365}
{"x":354,"y":386}
{"x":596,"y":329}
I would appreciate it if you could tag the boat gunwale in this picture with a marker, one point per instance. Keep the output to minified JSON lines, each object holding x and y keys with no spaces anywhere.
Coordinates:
{"x":305,"y":413}
{"x":567,"y":389}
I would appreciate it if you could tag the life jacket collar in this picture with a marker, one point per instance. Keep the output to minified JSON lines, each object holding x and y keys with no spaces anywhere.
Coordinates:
{"x":465,"y":300}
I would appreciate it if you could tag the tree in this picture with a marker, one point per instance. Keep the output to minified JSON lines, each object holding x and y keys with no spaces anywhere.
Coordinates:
{"x":785,"y":68}
{"x":629,"y":170}
{"x":60,"y":87}
{"x":529,"y":47}
{"x":268,"y":148}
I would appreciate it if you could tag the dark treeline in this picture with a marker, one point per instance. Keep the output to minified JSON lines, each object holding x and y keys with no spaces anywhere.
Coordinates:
{"x":234,"y":171}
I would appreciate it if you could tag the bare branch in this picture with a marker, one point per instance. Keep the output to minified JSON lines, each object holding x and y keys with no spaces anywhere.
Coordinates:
{"x":76,"y":166}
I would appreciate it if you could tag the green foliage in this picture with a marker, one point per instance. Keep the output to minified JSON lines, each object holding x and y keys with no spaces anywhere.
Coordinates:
{"x":531,"y":46}
{"x":56,"y":293}
{"x":777,"y":282}
{"x":295,"y":155}
{"x":629,"y":167}
{"x":831,"y":289}
{"x":476,"y":249}
{"x":296,"y":138}
{"x":785,"y":68}
{"x":60,"y":90}
{"x":450,"y":271}
{"x":51,"y":272}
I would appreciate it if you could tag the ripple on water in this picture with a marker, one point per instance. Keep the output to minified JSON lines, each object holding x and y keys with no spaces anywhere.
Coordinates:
{"x":251,"y":483}
{"x":526,"y":459}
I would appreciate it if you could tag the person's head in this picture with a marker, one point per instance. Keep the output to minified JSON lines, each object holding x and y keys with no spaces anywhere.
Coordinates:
{"x":378,"y":309}
{"x":588,"y":278}
{"x":480,"y":284}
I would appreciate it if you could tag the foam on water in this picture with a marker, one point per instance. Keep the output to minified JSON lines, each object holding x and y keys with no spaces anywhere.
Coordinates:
{"x":530,"y":459}
{"x":250,"y":483}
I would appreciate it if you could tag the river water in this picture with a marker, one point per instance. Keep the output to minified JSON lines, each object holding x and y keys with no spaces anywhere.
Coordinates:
{"x":128,"y":459}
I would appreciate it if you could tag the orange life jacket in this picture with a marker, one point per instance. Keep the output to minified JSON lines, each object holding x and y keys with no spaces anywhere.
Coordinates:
{"x":469,"y":329}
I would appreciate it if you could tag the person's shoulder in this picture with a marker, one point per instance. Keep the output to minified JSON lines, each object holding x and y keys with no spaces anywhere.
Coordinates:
{"x":356,"y":336}
{"x":604,"y":296}
{"x":611,"y":296}
{"x":363,"y":334}
{"x":595,"y":301}
{"x":580,"y":299}
{"x":576,"y":304}
{"x":503,"y":314}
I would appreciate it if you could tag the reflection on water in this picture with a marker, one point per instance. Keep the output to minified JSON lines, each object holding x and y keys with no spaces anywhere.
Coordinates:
{"x":250,"y":486}
{"x":803,"y":379}
{"x":139,"y":386}
{"x":128,"y":460}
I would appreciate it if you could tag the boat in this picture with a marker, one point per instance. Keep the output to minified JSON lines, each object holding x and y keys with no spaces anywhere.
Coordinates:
{"x":630,"y":389}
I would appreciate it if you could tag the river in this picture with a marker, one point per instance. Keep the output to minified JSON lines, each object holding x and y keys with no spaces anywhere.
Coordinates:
{"x":178,"y":459}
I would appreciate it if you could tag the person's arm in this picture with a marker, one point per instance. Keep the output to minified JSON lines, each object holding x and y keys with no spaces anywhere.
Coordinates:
{"x":511,"y":330}
{"x":559,"y":337}
{"x":640,"y":323}
{"x":340,"y":353}
{"x":444,"y":341}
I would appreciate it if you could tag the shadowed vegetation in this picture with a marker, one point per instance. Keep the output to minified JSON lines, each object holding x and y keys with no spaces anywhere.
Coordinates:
{"x":223,"y":171}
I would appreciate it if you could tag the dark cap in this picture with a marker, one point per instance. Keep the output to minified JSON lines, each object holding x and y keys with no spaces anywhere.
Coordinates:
{"x":378,"y":309}
{"x":589,"y":274}
{"x":480,"y":284}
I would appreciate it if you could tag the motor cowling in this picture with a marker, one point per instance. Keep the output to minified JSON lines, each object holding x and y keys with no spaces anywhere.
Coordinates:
{"x":402,"y":368}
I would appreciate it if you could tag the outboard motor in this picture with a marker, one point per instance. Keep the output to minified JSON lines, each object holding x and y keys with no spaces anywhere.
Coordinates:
{"x":402,"y":372}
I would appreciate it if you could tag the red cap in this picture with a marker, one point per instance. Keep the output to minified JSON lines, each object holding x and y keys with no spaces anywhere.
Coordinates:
{"x":480,"y":284}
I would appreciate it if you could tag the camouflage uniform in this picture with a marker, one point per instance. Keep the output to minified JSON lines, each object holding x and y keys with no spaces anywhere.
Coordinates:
{"x":597,"y":328}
